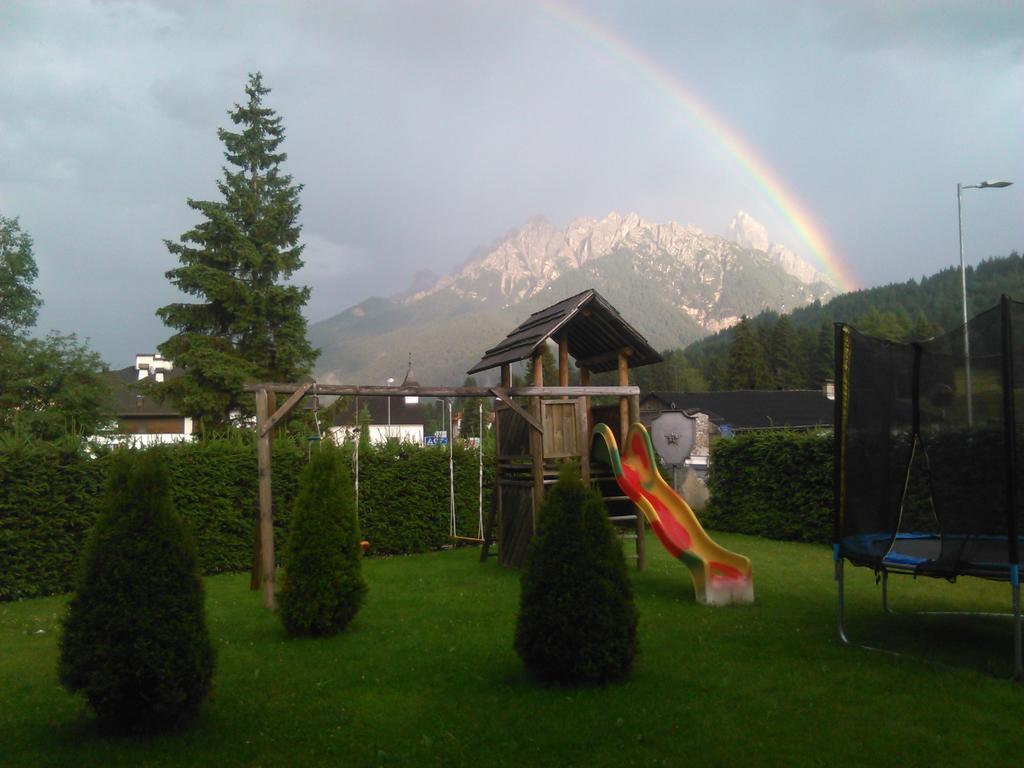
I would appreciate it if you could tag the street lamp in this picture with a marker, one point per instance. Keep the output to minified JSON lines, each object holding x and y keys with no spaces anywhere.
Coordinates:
{"x":963,"y":284}
{"x":389,"y":382}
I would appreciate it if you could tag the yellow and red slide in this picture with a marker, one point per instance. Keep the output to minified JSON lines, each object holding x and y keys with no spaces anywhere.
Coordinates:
{"x":720,"y":577}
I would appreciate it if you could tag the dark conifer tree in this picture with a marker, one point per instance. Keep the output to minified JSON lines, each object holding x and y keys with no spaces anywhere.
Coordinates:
{"x":746,"y":367}
{"x":248,"y":323}
{"x":821,"y":365}
{"x":923,"y":328}
{"x":323,"y":585}
{"x":787,"y":357}
{"x":134,"y":640}
{"x":577,"y":621}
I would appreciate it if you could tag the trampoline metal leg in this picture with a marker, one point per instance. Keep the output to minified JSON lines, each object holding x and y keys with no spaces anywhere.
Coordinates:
{"x":885,"y":591}
{"x":1018,"y":664}
{"x":841,"y":602}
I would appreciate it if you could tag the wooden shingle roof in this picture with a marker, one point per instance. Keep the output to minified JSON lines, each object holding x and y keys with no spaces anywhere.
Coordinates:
{"x":595,"y":331}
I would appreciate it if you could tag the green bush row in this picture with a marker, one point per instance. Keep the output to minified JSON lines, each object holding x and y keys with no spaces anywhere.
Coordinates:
{"x":50,"y":495}
{"x":772,"y":484}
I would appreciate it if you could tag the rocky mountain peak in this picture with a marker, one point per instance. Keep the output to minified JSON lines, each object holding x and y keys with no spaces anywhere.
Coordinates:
{"x":748,"y":232}
{"x":675,"y":283}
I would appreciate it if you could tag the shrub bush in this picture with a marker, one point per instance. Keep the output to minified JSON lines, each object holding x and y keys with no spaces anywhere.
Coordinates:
{"x":323,"y":585}
{"x":772,"y":484}
{"x":577,"y":621}
{"x":134,"y":639}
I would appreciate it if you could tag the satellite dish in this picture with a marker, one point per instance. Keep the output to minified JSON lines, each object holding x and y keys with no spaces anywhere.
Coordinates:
{"x":673,"y":434}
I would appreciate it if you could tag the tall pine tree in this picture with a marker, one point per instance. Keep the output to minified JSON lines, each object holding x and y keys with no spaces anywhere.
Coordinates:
{"x":787,"y":356}
{"x":248,"y":323}
{"x":747,"y":367}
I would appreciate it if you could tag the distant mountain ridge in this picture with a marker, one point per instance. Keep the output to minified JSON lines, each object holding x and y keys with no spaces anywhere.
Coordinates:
{"x":674,"y":283}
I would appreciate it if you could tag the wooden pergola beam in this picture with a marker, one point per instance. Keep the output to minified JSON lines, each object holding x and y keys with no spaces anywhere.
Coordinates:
{"x":379,"y":391}
{"x":285,"y":409}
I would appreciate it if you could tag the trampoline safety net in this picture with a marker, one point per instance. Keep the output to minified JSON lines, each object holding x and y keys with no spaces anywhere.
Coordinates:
{"x":926,"y":464}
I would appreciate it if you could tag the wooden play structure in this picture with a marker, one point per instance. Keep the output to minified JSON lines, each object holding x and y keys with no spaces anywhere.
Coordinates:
{"x":555,"y":427}
{"x":538,"y":426}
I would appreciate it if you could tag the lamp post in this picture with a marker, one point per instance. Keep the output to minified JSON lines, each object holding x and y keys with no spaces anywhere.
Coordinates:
{"x":389,"y":382}
{"x":963,"y":284}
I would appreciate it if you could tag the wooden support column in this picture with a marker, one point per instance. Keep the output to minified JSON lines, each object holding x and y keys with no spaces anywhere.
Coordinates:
{"x":587,"y":425}
{"x":623,"y":401}
{"x":537,"y":440}
{"x":496,"y":516}
{"x":563,"y":362}
{"x":266,"y":525}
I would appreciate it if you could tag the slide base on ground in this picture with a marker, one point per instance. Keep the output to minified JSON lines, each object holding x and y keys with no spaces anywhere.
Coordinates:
{"x":720,"y":577}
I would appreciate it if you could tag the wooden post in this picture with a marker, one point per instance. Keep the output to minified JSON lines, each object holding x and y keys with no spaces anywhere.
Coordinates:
{"x":267,"y":568}
{"x":495,"y":518}
{"x":537,"y":441}
{"x":563,"y":362}
{"x":587,"y":426}
{"x":254,"y":576}
{"x":623,"y":401}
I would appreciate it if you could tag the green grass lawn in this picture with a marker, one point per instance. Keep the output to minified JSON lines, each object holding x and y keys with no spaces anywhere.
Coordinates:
{"x":426,"y":675}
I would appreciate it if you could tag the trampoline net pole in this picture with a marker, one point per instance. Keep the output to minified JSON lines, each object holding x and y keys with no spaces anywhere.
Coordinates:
{"x":840,"y":603}
{"x":1018,"y":662}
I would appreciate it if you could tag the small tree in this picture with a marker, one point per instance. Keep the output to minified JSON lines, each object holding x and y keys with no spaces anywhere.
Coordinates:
{"x":134,"y":638}
{"x":577,"y":621}
{"x":19,"y":301}
{"x":323,"y":587}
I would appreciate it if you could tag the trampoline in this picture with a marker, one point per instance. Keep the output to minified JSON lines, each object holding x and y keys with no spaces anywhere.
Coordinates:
{"x":927,"y":481}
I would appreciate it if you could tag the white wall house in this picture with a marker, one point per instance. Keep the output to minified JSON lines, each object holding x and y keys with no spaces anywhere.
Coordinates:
{"x":141,"y":420}
{"x":391,"y":418}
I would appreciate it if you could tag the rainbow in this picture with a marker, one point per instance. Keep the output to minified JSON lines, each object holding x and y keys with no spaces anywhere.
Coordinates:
{"x":696,"y":110}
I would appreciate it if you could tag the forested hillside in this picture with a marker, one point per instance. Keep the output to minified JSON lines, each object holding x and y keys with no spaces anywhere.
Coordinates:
{"x":795,"y":351}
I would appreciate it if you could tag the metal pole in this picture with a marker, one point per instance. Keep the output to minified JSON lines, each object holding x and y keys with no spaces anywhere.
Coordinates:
{"x":991,"y":184}
{"x":480,"y":469}
{"x":963,"y":295}
{"x":841,"y":602}
{"x":1018,"y":663}
{"x":451,"y":471}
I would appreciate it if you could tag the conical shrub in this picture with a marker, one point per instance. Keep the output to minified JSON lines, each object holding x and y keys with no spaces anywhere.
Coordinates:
{"x":134,"y":639}
{"x":323,"y":584}
{"x":577,"y":621}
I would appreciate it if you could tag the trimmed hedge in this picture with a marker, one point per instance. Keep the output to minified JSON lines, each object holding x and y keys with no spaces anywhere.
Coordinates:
{"x":772,"y":484}
{"x":50,"y":495}
{"x":404,"y":500}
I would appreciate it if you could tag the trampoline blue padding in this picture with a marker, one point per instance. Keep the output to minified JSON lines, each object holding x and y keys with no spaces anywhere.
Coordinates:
{"x":931,"y":554}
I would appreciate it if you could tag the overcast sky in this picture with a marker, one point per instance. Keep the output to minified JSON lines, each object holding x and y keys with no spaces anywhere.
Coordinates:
{"x":425,"y":131}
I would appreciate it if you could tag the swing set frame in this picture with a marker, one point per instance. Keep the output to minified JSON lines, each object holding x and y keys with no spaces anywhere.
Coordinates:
{"x":269,"y":415}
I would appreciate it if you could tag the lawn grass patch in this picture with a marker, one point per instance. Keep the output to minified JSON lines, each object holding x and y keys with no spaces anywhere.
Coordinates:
{"x":426,"y":675}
